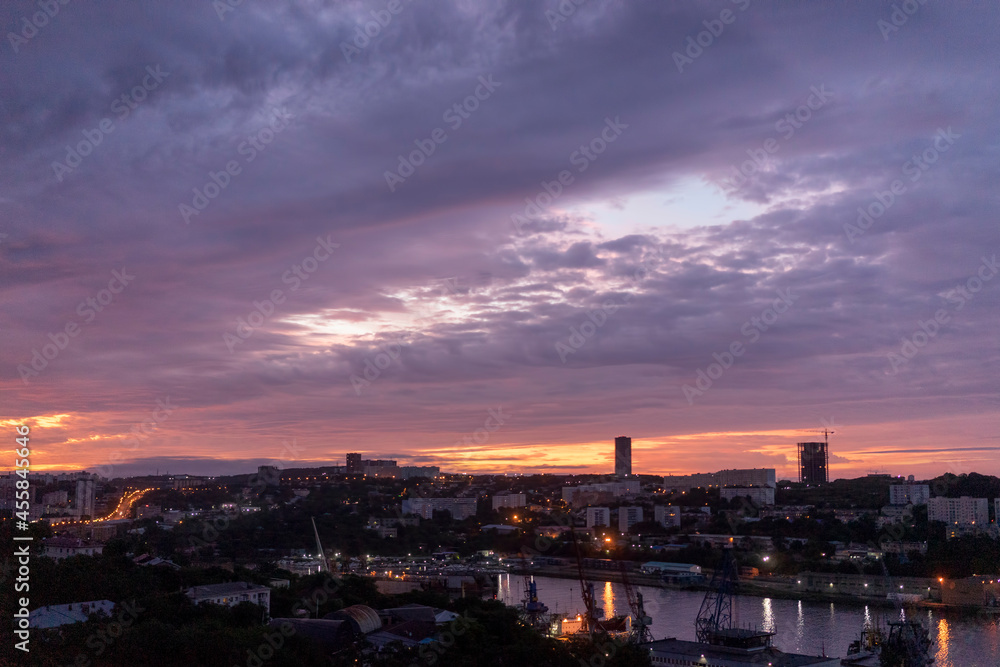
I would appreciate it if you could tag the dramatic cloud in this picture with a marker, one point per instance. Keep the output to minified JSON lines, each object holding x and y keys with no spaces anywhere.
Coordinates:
{"x":607,"y":222}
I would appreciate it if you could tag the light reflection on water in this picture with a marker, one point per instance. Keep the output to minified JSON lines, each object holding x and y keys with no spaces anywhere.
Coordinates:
{"x":768,"y":624}
{"x":801,"y":626}
{"x":943,"y":642}
{"x":609,"y":600}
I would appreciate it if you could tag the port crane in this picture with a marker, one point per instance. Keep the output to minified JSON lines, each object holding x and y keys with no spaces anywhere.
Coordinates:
{"x":640,"y":619}
{"x":319,"y":547}
{"x":714,"y":624}
{"x":587,"y":590}
{"x":534,"y":611}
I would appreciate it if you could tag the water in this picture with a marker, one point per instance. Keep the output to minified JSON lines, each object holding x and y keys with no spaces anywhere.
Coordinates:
{"x":812,"y":628}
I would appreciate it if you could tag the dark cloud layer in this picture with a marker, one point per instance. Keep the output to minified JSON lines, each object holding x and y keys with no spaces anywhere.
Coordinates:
{"x":432,"y":280}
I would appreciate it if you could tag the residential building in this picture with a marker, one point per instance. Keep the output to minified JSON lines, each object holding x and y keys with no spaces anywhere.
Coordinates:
{"x":586,"y":493}
{"x":623,"y":456}
{"x":84,"y":500}
{"x":353,"y":464}
{"x":231,"y":594}
{"x":890,"y":547}
{"x":406,"y":472}
{"x":598,"y":516}
{"x":55,"y":498}
{"x":959,"y":511}
{"x":759,"y":495}
{"x":667,"y":516}
{"x":190,"y":481}
{"x":54,"y":616}
{"x":65,"y":547}
{"x":460,"y":508}
{"x":702,"y":480}
{"x":909,"y":494}
{"x":509,"y":500}
{"x":628,"y":517}
{"x":722,"y":478}
{"x":748,"y":541}
{"x":891,"y":514}
{"x":788,"y":512}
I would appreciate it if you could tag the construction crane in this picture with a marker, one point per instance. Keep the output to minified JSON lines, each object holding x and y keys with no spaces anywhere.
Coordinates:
{"x":826,"y":433}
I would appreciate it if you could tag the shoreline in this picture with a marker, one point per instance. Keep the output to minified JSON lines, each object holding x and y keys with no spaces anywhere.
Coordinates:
{"x":748,"y":587}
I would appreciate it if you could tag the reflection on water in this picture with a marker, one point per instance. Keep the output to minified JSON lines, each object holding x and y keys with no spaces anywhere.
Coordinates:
{"x":800,"y":623}
{"x":943,"y":642}
{"x":768,"y":624}
{"x":802,"y":627}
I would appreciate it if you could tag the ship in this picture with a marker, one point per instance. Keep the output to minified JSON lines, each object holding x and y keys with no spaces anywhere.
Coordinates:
{"x":907,"y":644}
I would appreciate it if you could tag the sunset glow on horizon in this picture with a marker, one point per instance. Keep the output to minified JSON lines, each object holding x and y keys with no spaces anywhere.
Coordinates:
{"x":280,"y":254}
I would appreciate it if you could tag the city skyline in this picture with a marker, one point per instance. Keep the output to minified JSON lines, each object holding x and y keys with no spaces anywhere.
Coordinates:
{"x":271,"y":243}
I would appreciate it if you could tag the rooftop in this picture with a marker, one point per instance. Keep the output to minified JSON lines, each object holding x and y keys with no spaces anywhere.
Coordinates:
{"x":227,"y":589}
{"x":63,"y":614}
{"x":694,"y":651}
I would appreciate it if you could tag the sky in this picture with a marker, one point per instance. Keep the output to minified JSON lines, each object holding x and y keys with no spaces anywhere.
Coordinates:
{"x":492,"y":236}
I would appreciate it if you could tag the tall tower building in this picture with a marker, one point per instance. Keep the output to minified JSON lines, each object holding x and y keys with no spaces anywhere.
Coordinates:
{"x":353,"y":463}
{"x":623,"y":456}
{"x":814,"y":462}
{"x":85,"y":497}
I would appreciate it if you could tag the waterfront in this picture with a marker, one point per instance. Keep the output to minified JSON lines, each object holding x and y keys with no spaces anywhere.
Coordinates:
{"x":962,"y":640}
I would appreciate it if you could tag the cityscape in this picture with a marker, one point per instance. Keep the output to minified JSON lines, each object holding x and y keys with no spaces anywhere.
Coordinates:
{"x":414,"y":541}
{"x":547,"y":333}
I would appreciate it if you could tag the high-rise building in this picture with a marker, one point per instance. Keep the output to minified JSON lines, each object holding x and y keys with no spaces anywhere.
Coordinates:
{"x":84,"y":501}
{"x":667,"y":516}
{"x":814,"y":463}
{"x":509,"y":500}
{"x":353,"y":464}
{"x":628,"y":517}
{"x":909,"y":494}
{"x":598,"y":516}
{"x":623,"y":456}
{"x":962,"y":511}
